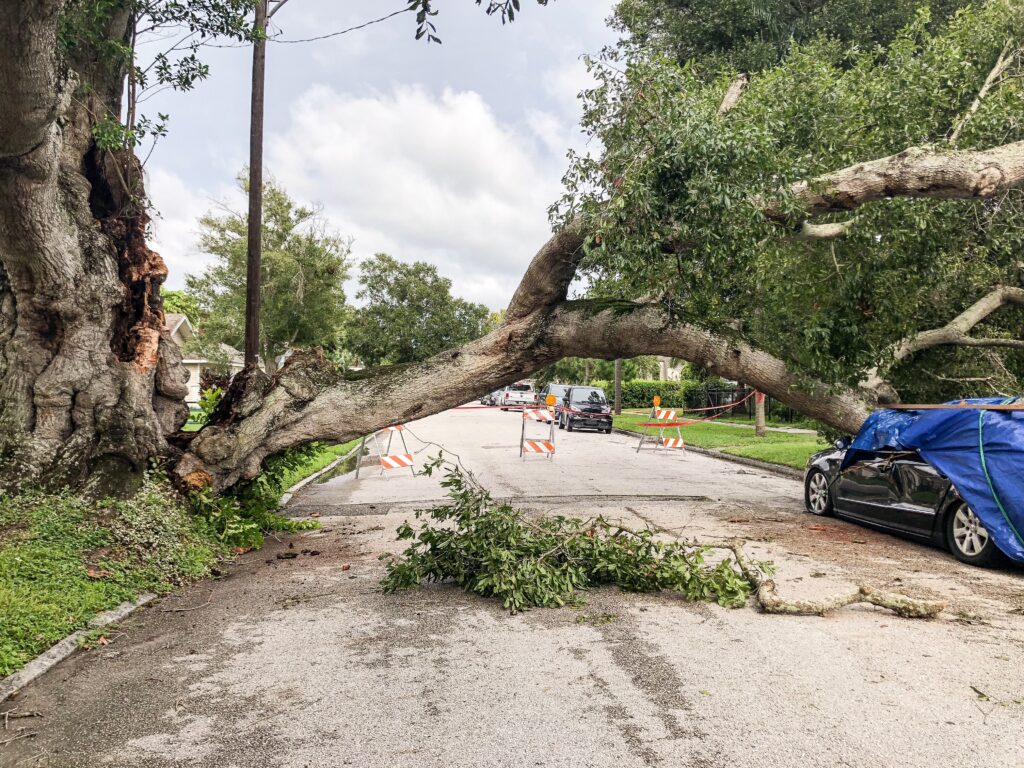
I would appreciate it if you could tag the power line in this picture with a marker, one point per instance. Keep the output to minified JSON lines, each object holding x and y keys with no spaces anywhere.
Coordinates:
{"x":341,"y":32}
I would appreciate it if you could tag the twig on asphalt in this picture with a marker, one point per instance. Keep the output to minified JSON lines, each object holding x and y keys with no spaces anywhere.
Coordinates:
{"x":193,"y":608}
{"x":14,"y":714}
{"x":30,"y":735}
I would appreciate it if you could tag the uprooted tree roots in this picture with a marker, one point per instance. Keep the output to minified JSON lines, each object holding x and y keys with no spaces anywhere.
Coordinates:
{"x":494,"y":550}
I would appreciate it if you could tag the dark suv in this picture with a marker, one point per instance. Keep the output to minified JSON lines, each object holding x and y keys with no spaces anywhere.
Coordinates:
{"x":585,"y":407}
{"x":558,"y":390}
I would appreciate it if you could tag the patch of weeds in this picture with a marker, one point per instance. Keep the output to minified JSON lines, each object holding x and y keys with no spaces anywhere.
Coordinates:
{"x":242,"y":517}
{"x":494,"y":550}
{"x":64,"y":559}
{"x":597,"y":620}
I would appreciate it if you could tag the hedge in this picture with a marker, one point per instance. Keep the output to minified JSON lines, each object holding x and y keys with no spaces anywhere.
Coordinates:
{"x":639,"y":393}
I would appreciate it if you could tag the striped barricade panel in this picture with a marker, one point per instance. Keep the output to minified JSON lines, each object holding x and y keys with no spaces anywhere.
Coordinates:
{"x":396,"y":428}
{"x":538,"y":446}
{"x":536,"y":414}
{"x":673,"y":442}
{"x":398,"y":461}
{"x":664,"y":415}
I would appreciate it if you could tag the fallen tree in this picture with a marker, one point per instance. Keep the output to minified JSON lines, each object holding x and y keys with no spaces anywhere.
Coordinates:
{"x":92,"y":390}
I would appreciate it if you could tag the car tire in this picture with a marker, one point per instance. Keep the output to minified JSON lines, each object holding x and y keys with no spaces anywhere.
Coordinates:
{"x":568,"y":424}
{"x":818,"y":494}
{"x":967,"y":538}
{"x":561,"y":422}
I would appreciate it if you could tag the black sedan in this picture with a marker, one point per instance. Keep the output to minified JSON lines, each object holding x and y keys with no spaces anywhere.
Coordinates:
{"x":585,"y":407}
{"x":901,"y":493}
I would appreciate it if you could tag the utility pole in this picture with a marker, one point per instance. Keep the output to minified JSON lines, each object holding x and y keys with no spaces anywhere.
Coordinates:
{"x":618,"y":386}
{"x":254,"y":252}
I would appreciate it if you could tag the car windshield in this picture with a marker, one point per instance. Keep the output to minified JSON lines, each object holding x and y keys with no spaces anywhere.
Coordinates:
{"x":520,"y":388}
{"x":589,"y":397}
{"x":558,"y":390}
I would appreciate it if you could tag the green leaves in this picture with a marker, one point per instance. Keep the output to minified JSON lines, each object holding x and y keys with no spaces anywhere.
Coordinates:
{"x":673,"y":197}
{"x":410,"y":313}
{"x":496,"y":551}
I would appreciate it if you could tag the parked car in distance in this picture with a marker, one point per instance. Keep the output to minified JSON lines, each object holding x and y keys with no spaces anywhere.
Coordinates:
{"x":899,"y":492}
{"x":518,"y":396}
{"x":558,"y":390}
{"x":585,"y":407}
{"x":491,"y":398}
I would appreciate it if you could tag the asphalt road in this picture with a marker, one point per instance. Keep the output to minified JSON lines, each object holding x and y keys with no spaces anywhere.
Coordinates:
{"x":303,"y":662}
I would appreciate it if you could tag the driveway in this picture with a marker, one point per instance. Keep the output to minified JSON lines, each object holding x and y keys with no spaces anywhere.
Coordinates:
{"x":303,"y":662}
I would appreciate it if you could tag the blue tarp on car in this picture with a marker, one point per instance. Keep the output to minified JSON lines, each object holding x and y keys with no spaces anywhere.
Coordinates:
{"x":980,"y":451}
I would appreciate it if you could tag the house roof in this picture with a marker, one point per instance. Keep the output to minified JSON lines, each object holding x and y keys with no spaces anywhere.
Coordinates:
{"x":175,"y":321}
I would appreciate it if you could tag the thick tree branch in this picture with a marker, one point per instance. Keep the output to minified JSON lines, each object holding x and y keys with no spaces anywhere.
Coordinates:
{"x":547,"y":279}
{"x":308,"y":400}
{"x":915,"y":172}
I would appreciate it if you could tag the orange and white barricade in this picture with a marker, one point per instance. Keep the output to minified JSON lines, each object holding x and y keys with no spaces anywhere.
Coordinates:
{"x":389,"y":460}
{"x":539,"y":415}
{"x":661,"y":419}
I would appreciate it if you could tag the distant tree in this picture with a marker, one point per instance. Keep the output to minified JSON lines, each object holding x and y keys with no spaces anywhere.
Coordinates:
{"x":410,"y":313}
{"x":304,"y":267}
{"x":181,"y":303}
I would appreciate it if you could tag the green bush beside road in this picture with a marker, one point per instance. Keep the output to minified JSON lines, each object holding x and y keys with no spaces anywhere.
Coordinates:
{"x":785,"y":448}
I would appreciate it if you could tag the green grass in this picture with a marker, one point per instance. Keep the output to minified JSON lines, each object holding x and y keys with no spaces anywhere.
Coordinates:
{"x":315,"y":463}
{"x":64,"y":559}
{"x":787,"y":449}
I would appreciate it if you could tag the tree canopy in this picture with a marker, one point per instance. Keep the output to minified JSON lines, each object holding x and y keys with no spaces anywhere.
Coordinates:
{"x":678,"y":203}
{"x":410,"y":313}
{"x":304,"y":268}
{"x":751,"y":35}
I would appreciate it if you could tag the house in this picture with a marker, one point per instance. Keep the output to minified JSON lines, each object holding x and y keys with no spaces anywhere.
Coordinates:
{"x":180,"y":330}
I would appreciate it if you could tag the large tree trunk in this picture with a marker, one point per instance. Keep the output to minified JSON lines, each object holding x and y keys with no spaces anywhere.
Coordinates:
{"x":89,"y":384}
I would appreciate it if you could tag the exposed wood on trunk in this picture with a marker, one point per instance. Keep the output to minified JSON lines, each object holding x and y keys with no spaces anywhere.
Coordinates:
{"x":90,"y":385}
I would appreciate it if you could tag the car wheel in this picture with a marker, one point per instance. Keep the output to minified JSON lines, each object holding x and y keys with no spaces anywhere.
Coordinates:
{"x":561,"y":422}
{"x":817,"y":494}
{"x":568,"y":423}
{"x":968,"y":539}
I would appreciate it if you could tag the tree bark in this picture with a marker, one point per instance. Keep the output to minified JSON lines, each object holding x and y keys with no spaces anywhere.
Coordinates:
{"x":89,"y":384}
{"x":760,"y":425}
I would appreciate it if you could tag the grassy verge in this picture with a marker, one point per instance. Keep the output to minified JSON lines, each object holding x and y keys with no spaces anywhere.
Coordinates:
{"x":787,"y":449}
{"x":64,"y":559}
{"x":314,"y":463}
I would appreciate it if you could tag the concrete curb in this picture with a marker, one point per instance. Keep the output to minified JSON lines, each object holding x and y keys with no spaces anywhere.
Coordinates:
{"x":50,"y":658}
{"x":287,"y":495}
{"x":776,"y":469}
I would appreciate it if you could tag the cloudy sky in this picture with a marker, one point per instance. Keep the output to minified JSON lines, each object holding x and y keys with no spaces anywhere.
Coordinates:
{"x":449,"y":154}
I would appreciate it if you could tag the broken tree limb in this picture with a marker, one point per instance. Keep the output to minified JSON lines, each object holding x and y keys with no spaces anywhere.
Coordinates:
{"x":770,"y":602}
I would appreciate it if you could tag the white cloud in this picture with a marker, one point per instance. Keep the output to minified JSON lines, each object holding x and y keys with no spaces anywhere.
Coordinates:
{"x":433,"y":177}
{"x":175,"y":222}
